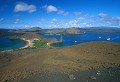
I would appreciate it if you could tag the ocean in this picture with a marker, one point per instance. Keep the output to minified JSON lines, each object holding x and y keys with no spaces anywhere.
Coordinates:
{"x":10,"y":44}
{"x":73,"y":39}
{"x":68,"y":40}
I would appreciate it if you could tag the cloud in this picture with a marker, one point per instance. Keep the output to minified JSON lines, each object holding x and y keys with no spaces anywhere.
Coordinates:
{"x":63,"y":12}
{"x":77,"y":13}
{"x":21,"y":7}
{"x":107,"y":20}
{"x":80,"y":14}
{"x":112,"y":21}
{"x":102,"y":15}
{"x":50,"y":8}
{"x":80,"y":18}
{"x":16,"y":21}
{"x":66,"y":13}
{"x":1,"y":19}
{"x":73,"y":23}
{"x":56,"y":23}
{"x":54,"y":20}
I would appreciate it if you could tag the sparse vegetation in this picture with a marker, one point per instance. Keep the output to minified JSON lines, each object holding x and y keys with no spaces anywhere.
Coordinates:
{"x":39,"y":44}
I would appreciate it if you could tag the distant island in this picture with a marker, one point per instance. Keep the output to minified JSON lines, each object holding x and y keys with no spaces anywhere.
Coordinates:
{"x":39,"y":58}
{"x":72,"y":30}
{"x":31,"y":35}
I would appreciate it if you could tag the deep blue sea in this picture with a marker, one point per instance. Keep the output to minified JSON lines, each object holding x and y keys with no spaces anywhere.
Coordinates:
{"x":73,"y":39}
{"x":8,"y":44}
{"x":68,"y":40}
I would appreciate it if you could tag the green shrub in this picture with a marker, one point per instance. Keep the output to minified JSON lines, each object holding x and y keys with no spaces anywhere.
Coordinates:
{"x":39,"y":44}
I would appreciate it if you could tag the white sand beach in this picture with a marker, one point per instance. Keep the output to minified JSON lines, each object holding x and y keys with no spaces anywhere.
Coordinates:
{"x":28,"y":43}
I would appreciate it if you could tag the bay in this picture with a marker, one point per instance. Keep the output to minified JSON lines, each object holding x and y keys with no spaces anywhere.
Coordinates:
{"x":73,"y":39}
{"x":10,"y":44}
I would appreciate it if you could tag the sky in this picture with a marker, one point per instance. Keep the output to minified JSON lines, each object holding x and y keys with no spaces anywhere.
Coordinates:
{"x":22,"y":14}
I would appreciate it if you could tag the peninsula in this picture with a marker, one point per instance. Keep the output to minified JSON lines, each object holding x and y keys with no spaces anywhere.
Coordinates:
{"x":37,"y":59}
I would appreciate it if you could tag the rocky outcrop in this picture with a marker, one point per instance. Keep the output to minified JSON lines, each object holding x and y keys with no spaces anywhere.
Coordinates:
{"x":61,"y":39}
{"x":34,"y":29}
{"x":1,"y":33}
{"x":30,"y":36}
{"x":55,"y":31}
{"x":51,"y":40}
{"x":72,"y":30}
{"x":33,"y":35}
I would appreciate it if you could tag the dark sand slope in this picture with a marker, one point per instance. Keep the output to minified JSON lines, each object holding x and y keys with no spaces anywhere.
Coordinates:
{"x":19,"y":65}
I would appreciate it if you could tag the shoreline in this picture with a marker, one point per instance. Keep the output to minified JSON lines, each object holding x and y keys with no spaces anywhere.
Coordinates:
{"x":28,"y":43}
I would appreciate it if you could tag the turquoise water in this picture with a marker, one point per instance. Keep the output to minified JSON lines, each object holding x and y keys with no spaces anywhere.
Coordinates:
{"x":69,"y":40}
{"x":8,"y":44}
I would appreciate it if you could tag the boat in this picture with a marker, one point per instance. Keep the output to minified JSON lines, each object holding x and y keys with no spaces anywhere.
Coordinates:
{"x":108,"y":38}
{"x":75,"y":41}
